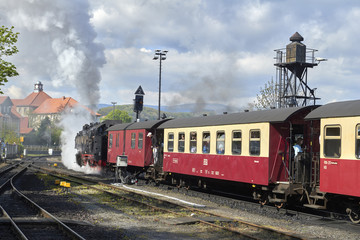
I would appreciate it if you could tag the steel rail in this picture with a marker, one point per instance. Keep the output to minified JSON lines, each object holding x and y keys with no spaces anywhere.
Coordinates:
{"x":233,"y":230}
{"x":14,"y":226}
{"x":60,"y":225}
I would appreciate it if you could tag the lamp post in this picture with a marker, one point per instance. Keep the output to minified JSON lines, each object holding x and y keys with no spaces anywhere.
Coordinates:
{"x":161,"y":55}
{"x":113,"y":103}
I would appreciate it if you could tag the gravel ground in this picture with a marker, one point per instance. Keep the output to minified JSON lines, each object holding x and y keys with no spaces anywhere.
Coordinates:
{"x":109,"y":223}
{"x":105,"y":222}
{"x":308,"y":229}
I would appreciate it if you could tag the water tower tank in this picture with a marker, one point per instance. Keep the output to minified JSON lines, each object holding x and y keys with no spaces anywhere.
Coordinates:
{"x":296,"y":51}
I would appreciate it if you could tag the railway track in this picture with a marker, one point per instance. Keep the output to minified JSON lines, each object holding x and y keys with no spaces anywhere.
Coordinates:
{"x":170,"y":212}
{"x":24,"y":219}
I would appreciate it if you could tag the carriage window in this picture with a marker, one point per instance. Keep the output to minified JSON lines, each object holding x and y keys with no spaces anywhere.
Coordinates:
{"x":110,"y":140}
{"x":140,"y":141}
{"x":332,"y":142}
{"x":206,"y":142}
{"x":236,"y":143}
{"x":254,"y":142}
{"x":220,"y":142}
{"x":357,"y":143}
{"x":133,"y":139}
{"x":170,"y":142}
{"x":193,"y":142}
{"x":181,"y":142}
{"x":117,"y":140}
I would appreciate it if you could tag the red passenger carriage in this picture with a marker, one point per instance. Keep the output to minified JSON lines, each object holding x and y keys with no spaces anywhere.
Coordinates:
{"x":130,"y":140}
{"x":257,"y":148}
{"x":340,"y":154}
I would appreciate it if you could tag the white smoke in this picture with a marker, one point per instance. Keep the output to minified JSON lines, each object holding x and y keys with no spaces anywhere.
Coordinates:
{"x":57,"y":45}
{"x":72,"y":122}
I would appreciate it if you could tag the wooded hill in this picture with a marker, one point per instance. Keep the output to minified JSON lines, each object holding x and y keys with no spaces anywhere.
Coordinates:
{"x":148,"y":113}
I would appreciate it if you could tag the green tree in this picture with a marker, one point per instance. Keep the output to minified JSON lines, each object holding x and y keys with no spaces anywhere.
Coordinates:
{"x":44,"y":132}
{"x":10,"y":136}
{"x":268,"y":96}
{"x":55,"y":135}
{"x":7,"y":48}
{"x":118,"y":115}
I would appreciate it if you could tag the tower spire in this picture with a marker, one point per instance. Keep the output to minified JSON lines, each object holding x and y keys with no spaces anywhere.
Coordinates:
{"x":38,"y":87}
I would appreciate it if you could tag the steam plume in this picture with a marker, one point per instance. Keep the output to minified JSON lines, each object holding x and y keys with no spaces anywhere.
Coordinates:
{"x":58,"y":42}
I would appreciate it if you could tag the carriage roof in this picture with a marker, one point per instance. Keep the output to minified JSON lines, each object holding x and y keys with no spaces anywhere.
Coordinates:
{"x":272,"y":115}
{"x":137,"y":125}
{"x":336,"y":109}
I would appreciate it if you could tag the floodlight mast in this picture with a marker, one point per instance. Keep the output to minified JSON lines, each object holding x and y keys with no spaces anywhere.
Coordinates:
{"x":161,"y":56}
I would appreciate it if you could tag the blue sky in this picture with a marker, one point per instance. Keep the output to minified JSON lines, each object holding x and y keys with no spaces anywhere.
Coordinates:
{"x":219,"y":51}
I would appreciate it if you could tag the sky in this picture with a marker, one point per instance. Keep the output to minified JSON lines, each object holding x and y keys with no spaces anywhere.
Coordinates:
{"x":101,"y":51}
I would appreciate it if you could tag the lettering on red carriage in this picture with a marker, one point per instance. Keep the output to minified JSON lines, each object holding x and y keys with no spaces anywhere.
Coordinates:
{"x":175,"y":160}
{"x":330,"y":163}
{"x":205,"y":162}
{"x":256,"y":161}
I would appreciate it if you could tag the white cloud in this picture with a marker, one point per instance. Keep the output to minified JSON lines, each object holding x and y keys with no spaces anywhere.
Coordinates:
{"x":15,"y":92}
{"x":218,"y":51}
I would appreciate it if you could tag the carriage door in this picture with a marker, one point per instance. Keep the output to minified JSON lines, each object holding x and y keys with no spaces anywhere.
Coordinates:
{"x":314,"y":152}
{"x":298,"y":145}
{"x":160,"y":142}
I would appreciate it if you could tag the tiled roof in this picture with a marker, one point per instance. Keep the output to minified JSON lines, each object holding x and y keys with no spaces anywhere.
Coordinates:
{"x":17,"y":102}
{"x":24,"y":123}
{"x":35,"y":99}
{"x":2,"y":99}
{"x":15,"y":113}
{"x":57,"y":105}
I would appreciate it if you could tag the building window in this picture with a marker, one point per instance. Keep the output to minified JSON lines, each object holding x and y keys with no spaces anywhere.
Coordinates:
{"x":133,"y":139}
{"x":181,"y":142}
{"x":193,"y":142}
{"x":110,"y":140}
{"x":206,"y":142}
{"x":220,"y":142}
{"x":140,"y":141}
{"x":332,"y":141}
{"x":236,"y":143}
{"x":254,"y":142}
{"x":170,"y":146}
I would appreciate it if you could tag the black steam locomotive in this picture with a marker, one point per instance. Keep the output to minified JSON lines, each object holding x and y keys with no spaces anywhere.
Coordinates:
{"x":91,"y":143}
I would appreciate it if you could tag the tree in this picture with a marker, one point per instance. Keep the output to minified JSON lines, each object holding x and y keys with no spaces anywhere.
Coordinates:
{"x":44,"y":132}
{"x":10,"y":136}
{"x":118,"y":115}
{"x":268,"y":96}
{"x":7,"y":48}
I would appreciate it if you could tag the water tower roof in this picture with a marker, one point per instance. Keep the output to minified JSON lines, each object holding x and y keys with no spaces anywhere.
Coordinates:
{"x":296,"y":37}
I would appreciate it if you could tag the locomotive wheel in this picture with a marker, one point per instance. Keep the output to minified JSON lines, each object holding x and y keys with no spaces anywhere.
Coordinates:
{"x":354,"y":216}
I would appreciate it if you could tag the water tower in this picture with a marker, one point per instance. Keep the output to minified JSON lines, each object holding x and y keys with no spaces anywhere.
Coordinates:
{"x":292,"y":65}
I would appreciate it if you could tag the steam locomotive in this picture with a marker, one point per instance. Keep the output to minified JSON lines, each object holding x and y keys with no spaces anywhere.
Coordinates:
{"x":91,"y":143}
{"x":247,"y":150}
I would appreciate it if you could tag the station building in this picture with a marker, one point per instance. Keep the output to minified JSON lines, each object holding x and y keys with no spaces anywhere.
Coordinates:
{"x":25,"y":115}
